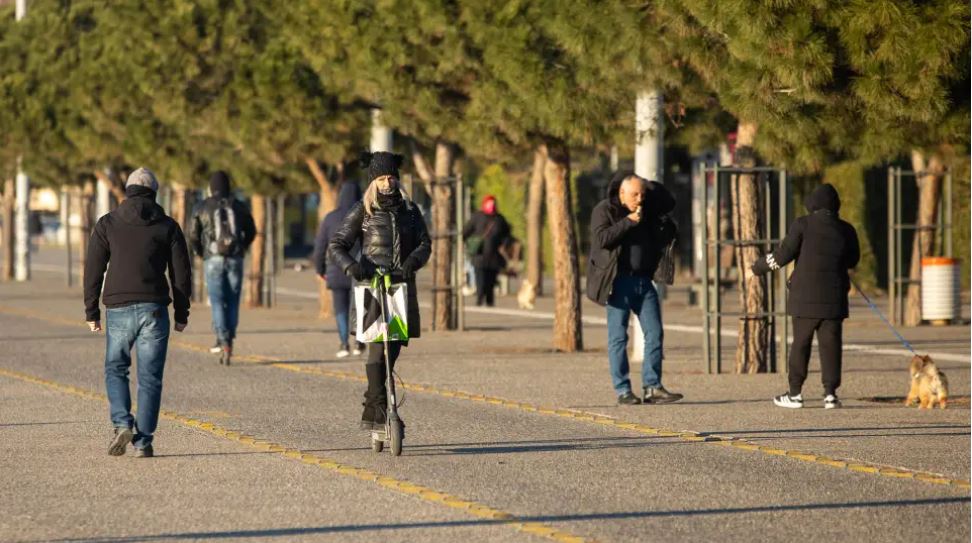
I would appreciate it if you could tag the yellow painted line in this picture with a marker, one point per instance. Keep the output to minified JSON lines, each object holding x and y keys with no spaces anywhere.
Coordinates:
{"x":404,"y":487}
{"x":856,"y":466}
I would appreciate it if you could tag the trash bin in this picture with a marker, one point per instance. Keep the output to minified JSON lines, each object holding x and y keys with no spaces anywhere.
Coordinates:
{"x":940,"y":289}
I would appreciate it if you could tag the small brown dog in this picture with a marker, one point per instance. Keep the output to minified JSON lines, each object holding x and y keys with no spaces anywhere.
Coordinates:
{"x":928,"y":385}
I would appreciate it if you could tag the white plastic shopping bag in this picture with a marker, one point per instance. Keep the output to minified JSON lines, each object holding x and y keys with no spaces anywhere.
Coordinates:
{"x":370,"y":328}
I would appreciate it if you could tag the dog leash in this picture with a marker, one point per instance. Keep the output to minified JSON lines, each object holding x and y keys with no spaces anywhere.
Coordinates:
{"x":881,"y":315}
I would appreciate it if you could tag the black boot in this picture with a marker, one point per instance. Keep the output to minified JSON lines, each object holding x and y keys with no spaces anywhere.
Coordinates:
{"x":374,"y":397}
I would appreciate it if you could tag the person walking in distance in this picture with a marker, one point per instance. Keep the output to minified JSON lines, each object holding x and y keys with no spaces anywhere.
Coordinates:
{"x":333,"y":276}
{"x":221,"y":232}
{"x":630,"y":230}
{"x":485,"y":233}
{"x":137,"y":243}
{"x":824,"y":248}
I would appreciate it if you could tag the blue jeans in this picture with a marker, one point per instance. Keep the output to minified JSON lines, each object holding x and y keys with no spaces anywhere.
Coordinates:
{"x":341,"y":303}
{"x":146,"y":327}
{"x":631,"y":294}
{"x":224,"y":281}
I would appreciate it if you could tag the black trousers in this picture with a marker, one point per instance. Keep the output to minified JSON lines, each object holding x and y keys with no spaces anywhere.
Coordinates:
{"x":486,"y":286}
{"x":375,"y":395}
{"x":830,"y":341}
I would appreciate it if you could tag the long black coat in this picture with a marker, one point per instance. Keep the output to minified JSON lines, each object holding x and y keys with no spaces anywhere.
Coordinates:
{"x":388,"y":237}
{"x":348,"y":195}
{"x":824,"y":248}
{"x":495,"y":231}
{"x":609,"y":227}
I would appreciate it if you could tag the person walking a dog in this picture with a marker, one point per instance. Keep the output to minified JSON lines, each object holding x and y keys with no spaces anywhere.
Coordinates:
{"x":824,"y":248}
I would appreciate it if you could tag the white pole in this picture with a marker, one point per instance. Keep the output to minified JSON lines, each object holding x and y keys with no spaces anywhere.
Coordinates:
{"x":22,"y":209}
{"x":649,"y":163}
{"x":381,"y":135}
{"x":103,"y":199}
{"x":22,"y":224}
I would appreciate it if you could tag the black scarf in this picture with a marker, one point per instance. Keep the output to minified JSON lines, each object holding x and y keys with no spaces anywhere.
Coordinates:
{"x":390,"y":202}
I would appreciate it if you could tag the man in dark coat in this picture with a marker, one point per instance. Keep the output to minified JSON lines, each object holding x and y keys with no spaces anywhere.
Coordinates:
{"x":392,"y":235}
{"x":334,"y":277}
{"x":140,"y":243}
{"x":824,"y":248}
{"x":221,"y":232}
{"x":629,"y":232}
{"x":489,"y":231}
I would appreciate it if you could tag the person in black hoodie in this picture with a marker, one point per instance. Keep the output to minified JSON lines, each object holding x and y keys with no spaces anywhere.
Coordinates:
{"x":141,"y":243}
{"x":629,"y":231}
{"x":825,"y":248}
{"x":221,"y":232}
{"x":392,"y":235}
{"x":333,"y":276}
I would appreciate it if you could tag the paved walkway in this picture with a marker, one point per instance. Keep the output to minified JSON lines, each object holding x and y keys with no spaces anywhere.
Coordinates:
{"x":507,"y":441}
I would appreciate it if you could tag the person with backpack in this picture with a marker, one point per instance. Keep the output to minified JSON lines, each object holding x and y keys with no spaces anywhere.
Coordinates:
{"x":333,"y":276}
{"x":136,"y":244}
{"x":221,"y":232}
{"x":486,"y":233}
{"x":825,"y":248}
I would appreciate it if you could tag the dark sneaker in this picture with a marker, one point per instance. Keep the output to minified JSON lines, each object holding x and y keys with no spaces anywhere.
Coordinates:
{"x":831,"y":402}
{"x":144,"y":452}
{"x":226,"y":355}
{"x":790,"y":402}
{"x":660,"y":395}
{"x":628,"y":398}
{"x":119,"y":441}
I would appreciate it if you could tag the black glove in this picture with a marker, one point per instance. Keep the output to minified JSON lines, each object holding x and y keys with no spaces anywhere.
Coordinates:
{"x":358,"y":272}
{"x":409,"y":267}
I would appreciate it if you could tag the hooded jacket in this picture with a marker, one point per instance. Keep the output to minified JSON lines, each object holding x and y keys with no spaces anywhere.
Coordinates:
{"x":824,"y":247}
{"x":610,"y":229}
{"x":141,"y":243}
{"x":348,"y":195}
{"x":495,"y":232}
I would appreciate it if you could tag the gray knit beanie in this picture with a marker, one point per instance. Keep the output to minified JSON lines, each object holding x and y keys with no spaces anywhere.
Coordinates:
{"x":143,"y":177}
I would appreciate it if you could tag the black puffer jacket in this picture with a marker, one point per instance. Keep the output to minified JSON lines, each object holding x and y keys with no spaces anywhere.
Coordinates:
{"x":610,"y":228}
{"x":388,"y":238}
{"x":824,"y":248}
{"x":202,"y":231}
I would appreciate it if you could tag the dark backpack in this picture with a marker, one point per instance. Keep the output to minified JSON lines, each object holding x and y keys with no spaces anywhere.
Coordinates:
{"x":226,"y":231}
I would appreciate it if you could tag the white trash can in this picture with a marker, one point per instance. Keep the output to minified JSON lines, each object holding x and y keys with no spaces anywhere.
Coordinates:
{"x":940,"y":289}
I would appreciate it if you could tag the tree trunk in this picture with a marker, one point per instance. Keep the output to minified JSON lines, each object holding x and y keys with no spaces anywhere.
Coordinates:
{"x":7,"y":272}
{"x":534,"y":259}
{"x":258,"y":205}
{"x":180,"y":213}
{"x":327,"y":190}
{"x":929,"y":194}
{"x":114,"y":183}
{"x":567,"y":332}
{"x":444,"y":215}
{"x":86,"y":214}
{"x":752,"y":346}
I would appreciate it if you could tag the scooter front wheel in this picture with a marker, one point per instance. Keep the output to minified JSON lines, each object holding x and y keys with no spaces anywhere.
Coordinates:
{"x":396,"y":437}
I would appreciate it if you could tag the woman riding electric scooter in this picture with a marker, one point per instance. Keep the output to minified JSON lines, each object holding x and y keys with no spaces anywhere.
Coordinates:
{"x":394,"y":239}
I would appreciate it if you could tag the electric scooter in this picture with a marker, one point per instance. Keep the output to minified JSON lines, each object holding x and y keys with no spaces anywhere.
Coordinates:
{"x":394,"y":433}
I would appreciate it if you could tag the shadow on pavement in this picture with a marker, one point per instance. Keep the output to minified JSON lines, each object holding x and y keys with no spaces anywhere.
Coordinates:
{"x":623,"y":515}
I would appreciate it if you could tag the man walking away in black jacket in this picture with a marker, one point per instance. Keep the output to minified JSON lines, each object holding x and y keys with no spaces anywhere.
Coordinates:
{"x":333,"y":276}
{"x":221,"y":232}
{"x":824,"y":248}
{"x":141,"y":243}
{"x":629,"y":232}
